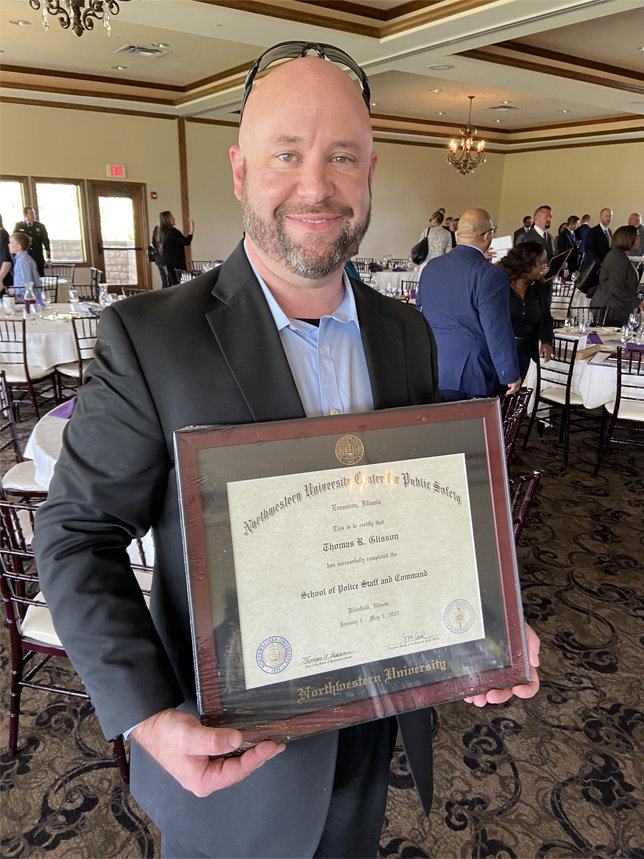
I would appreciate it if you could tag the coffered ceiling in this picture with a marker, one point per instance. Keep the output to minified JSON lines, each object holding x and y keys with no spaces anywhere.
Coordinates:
{"x":544,"y":73}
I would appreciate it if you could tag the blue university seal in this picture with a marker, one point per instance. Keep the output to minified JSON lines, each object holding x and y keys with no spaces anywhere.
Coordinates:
{"x":459,"y":616}
{"x":274,"y":654}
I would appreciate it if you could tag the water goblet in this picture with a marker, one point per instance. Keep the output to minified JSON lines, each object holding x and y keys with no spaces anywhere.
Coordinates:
{"x":35,"y":314}
{"x":625,"y":334}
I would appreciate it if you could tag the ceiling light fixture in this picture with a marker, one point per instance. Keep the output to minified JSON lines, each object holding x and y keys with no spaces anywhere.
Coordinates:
{"x":374,"y":104}
{"x":641,"y":49}
{"x":78,"y":14}
{"x":505,"y":102}
{"x":20,"y":23}
{"x":160,"y":45}
{"x":564,"y":111}
{"x":119,"y":68}
{"x":439,"y":113}
{"x":435,"y":90}
{"x":441,"y":67}
{"x":498,"y":120}
{"x":468,"y":154}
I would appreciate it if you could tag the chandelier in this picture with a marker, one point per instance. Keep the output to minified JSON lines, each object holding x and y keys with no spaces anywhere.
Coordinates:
{"x":467,"y":154}
{"x":77,"y":14}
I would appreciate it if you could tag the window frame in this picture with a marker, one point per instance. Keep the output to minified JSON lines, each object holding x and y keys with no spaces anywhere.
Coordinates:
{"x":24,"y":183}
{"x":84,"y":216}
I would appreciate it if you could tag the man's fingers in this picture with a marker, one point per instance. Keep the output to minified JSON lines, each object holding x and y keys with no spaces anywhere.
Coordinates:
{"x":195,"y":739}
{"x":224,"y":772}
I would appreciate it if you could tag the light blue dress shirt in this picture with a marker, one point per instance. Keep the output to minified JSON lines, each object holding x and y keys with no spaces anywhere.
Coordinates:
{"x":25,"y":270}
{"x":328,"y":363}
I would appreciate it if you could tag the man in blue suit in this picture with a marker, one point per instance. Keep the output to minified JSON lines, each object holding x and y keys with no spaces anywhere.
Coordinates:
{"x":466,"y":300}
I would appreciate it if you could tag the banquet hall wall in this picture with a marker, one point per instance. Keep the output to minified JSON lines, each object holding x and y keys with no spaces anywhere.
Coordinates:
{"x":411,"y":181}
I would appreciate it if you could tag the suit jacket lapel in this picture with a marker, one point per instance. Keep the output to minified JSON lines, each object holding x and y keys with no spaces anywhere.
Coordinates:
{"x":382,"y":338}
{"x":249,"y":340}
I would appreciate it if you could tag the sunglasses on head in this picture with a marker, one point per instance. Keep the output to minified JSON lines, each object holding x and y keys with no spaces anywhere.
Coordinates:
{"x":293,"y":50}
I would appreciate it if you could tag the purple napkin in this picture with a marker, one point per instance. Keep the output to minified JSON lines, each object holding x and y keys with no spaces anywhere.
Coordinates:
{"x":64,"y":410}
{"x":399,"y":268}
{"x":594,"y":338}
{"x":635,"y":347}
{"x":373,"y":266}
{"x":412,"y":292}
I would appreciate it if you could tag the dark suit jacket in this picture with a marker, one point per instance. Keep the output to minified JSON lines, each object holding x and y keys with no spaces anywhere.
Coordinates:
{"x":207,"y":352}
{"x":466,"y":302}
{"x":618,"y":285}
{"x":518,"y":233}
{"x":565,"y":241}
{"x":582,"y":232}
{"x":546,"y":240}
{"x":597,"y":244}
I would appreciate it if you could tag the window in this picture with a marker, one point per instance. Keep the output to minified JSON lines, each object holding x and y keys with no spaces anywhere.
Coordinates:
{"x":12,"y":200}
{"x":59,"y":209}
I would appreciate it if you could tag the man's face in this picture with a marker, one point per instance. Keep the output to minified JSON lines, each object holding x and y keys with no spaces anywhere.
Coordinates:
{"x":605,"y":217}
{"x":449,"y":223}
{"x":635,"y":219}
{"x":14,"y":247}
{"x":30,"y":217}
{"x":573,"y":225}
{"x":543,"y":219}
{"x":303,"y":173}
{"x":528,"y":223}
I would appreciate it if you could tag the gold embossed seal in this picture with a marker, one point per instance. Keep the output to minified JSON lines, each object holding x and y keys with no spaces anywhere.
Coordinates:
{"x":349,"y":450}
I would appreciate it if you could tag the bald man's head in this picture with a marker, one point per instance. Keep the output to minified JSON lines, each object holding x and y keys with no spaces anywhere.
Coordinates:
{"x":475,"y":228}
{"x":635,"y":219}
{"x":303,"y":168}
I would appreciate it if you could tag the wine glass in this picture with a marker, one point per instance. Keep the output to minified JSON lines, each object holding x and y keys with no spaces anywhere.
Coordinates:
{"x":634,"y":320}
{"x":625,"y":334}
{"x":35,"y":314}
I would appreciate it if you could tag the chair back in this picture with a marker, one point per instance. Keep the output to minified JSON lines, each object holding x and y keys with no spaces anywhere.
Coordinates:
{"x":49,"y":285}
{"x":186,"y":276}
{"x":88,"y":291}
{"x":165,"y":277}
{"x":407,"y":286}
{"x":132,"y":290}
{"x":95,"y":276}
{"x":8,"y":434}
{"x":594,"y":317}
{"x":558,"y":372}
{"x":514,"y":408}
{"x":362,"y":264}
{"x":13,"y":343}
{"x":85,"y":328}
{"x":630,"y":377}
{"x":522,"y":492}
{"x":201,"y":265}
{"x":397,"y":262}
{"x":562,"y":297}
{"x":66,"y":270}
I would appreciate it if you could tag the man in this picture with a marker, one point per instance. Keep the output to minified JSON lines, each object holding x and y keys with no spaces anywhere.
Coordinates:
{"x":539,"y":231}
{"x":449,"y":226}
{"x":24,"y":267}
{"x":240,"y":351}
{"x":6,"y":262}
{"x":635,"y":220}
{"x":568,"y":239}
{"x":40,"y":249}
{"x":582,"y":232}
{"x":527,"y":225}
{"x":599,"y":238}
{"x":466,"y":301}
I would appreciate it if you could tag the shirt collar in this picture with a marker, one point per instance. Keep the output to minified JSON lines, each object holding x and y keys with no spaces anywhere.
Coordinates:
{"x":474,"y":247}
{"x":539,"y":230}
{"x":345,"y":312}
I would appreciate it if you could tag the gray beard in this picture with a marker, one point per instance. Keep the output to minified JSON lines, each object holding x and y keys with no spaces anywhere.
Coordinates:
{"x":313,"y":260}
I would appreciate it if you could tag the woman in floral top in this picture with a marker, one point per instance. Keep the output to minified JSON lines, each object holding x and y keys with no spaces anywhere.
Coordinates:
{"x":439,"y":241}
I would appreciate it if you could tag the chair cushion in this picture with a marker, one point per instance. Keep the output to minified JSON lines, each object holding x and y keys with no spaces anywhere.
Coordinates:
{"x":21,"y":478}
{"x":71,"y":369}
{"x":558,"y":395}
{"x":629,"y":410}
{"x":38,"y":625}
{"x":15,"y":373}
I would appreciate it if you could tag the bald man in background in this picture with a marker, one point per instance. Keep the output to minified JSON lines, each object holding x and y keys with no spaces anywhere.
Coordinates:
{"x":466,"y":301}
{"x":244,"y":347}
{"x":635,"y":220}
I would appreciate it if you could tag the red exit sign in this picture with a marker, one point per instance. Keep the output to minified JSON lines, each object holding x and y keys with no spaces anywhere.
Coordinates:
{"x":116,"y":171}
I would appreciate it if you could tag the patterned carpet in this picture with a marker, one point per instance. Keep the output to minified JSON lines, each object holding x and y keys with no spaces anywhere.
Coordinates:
{"x":560,"y":775}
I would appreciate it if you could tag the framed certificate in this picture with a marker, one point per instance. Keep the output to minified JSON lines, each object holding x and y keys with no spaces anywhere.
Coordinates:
{"x":345,"y":568}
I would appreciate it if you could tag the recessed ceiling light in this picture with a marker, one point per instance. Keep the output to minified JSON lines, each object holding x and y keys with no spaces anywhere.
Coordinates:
{"x":641,"y":49}
{"x":564,"y":111}
{"x":374,"y":104}
{"x":160,"y":45}
{"x":440,"y":67}
{"x":119,"y":68}
{"x":435,"y":90}
{"x":505,"y":102}
{"x":19,"y":22}
{"x":498,"y":120}
{"x":439,"y":113}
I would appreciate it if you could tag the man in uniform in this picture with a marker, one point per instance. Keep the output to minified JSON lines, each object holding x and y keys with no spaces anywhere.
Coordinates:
{"x":277,"y":332}
{"x":39,"y":249}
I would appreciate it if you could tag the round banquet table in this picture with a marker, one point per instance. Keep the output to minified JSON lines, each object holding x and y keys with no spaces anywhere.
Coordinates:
{"x":395,"y":278}
{"x":44,"y":446}
{"x":51,"y":341}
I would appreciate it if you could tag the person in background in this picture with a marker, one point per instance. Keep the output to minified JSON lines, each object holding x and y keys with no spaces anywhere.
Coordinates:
{"x":449,"y":226}
{"x":530,"y":314}
{"x":618,"y":281}
{"x":567,"y":239}
{"x":24,"y":266}
{"x":466,"y":301}
{"x":599,"y":238}
{"x":635,"y":220}
{"x":539,"y":231}
{"x":582,"y":232}
{"x":439,"y":241}
{"x":455,"y":227}
{"x":6,"y":263}
{"x":527,"y":225}
{"x":562,"y":227}
{"x":39,"y":248}
{"x":170,"y":245}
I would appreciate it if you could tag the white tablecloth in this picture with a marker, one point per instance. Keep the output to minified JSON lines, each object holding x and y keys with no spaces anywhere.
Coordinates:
{"x":44,"y":446}
{"x":51,"y":341}
{"x":395,"y":278}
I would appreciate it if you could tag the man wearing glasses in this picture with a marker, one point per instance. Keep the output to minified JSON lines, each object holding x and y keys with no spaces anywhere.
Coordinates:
{"x":276,"y":332}
{"x":466,"y":301}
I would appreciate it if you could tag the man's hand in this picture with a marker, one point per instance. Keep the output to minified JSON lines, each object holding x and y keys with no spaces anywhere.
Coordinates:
{"x":525,"y":690}
{"x":47,"y":263}
{"x":545,"y":352}
{"x":183,"y":747}
{"x":490,"y":255}
{"x":513,"y":387}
